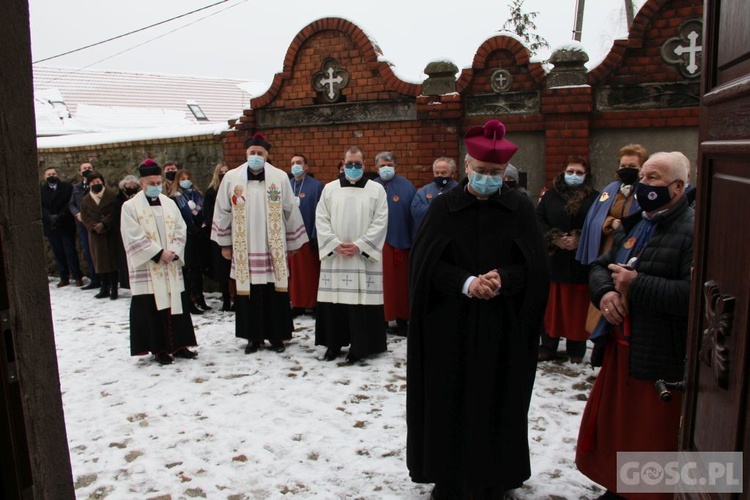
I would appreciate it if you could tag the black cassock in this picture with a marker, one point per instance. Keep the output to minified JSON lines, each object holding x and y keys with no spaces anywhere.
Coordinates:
{"x":471,"y":362}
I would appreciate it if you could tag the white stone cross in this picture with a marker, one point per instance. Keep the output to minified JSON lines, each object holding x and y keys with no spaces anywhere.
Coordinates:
{"x":330,"y":81}
{"x":692,"y":50}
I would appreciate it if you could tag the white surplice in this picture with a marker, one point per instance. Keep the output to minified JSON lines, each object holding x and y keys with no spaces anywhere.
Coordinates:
{"x":356,"y":215}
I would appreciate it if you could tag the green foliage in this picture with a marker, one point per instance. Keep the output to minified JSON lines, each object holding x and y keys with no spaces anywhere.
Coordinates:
{"x":522,"y":24}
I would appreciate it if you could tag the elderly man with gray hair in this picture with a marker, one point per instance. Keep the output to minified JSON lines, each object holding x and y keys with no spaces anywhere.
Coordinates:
{"x":443,"y":170}
{"x":642,"y":287}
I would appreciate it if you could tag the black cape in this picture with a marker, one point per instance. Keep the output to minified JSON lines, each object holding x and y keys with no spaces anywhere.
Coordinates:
{"x":471,"y":362}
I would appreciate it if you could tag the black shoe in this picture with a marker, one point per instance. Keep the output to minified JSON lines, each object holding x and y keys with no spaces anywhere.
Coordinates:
{"x":91,"y":286}
{"x":279,"y":348}
{"x":194,"y":309}
{"x":103,"y":293}
{"x":331,"y":354}
{"x":393,"y":330}
{"x":63,"y":283}
{"x":113,"y":293}
{"x":201,"y":302}
{"x":351,"y":358}
{"x":252,"y":347}
{"x":163,"y":358}
{"x":185,"y":353}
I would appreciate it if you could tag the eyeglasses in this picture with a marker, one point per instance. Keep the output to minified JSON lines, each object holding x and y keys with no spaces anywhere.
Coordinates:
{"x":354,"y":165}
{"x":579,"y":173}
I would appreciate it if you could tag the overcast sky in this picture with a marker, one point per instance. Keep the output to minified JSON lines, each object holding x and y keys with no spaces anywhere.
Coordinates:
{"x":247,"y":39}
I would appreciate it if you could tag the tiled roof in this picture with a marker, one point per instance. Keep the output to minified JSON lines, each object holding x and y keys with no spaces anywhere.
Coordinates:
{"x":220,"y":99}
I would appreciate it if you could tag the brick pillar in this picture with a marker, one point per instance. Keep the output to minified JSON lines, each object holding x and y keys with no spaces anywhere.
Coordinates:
{"x":566,"y":107}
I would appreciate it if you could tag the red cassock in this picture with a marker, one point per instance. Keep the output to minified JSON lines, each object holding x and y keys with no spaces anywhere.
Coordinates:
{"x":623,"y":414}
{"x":395,"y":283}
{"x":304,"y":270}
{"x":567,"y":308}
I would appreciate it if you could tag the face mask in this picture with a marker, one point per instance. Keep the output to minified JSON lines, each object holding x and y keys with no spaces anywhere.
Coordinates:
{"x":297,"y":170}
{"x":485,"y":185}
{"x":441,"y":181}
{"x":170,"y":175}
{"x":97,"y":188}
{"x":628,"y":175}
{"x":353,"y":173}
{"x":652,"y":198}
{"x":153,"y":191}
{"x":131,"y":191}
{"x":255,"y":162}
{"x":53,"y":179}
{"x":86,"y":174}
{"x":186,"y":184}
{"x":387,"y":173}
{"x":574,"y":180}
{"x":511,"y":184}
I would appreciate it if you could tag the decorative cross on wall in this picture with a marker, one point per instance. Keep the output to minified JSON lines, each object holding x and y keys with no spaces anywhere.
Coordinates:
{"x":501,"y":80}
{"x":685,"y":50}
{"x":330,"y":80}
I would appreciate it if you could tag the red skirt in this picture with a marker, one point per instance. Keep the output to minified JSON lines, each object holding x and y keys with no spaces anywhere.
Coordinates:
{"x":566,"y":312}
{"x":304,"y":271}
{"x":395,"y":283}
{"x":623,"y":414}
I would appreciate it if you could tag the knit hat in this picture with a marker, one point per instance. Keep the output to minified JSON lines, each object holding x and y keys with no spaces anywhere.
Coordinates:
{"x":258,"y":140}
{"x":512,"y":172}
{"x":149,"y":167}
{"x":488,"y":143}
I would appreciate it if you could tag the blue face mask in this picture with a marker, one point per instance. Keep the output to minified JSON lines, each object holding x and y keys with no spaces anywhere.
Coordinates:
{"x":186,"y":184}
{"x":485,"y":185}
{"x":574,"y":180}
{"x":353,"y":173}
{"x":387,"y":173}
{"x":255,"y":162}
{"x":297,"y":170}
{"x":153,"y":191}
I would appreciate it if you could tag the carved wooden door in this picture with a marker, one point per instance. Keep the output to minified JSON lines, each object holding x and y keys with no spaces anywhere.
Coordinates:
{"x":718,"y":389}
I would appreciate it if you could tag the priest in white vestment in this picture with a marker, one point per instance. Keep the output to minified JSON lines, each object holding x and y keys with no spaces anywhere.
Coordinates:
{"x":153,"y":234}
{"x":351,"y":221}
{"x":256,"y":222}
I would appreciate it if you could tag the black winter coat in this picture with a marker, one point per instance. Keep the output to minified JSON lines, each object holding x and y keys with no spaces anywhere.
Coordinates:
{"x":554,"y":220}
{"x":659,"y":297}
{"x":56,"y":216}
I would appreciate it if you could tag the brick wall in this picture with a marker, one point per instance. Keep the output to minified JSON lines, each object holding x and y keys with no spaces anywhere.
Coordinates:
{"x":632,"y":88}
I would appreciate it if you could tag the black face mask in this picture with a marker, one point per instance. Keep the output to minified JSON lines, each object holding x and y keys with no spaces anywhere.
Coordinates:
{"x":652,"y":198}
{"x":53,"y":179}
{"x":511,"y":184}
{"x":131,"y":191}
{"x":170,"y":175}
{"x":97,"y":188}
{"x":221,"y":176}
{"x":441,"y":181}
{"x":86,"y":174}
{"x":628,"y":175}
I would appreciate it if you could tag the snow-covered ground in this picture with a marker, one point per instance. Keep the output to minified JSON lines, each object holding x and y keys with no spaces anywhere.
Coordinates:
{"x":233,"y":426}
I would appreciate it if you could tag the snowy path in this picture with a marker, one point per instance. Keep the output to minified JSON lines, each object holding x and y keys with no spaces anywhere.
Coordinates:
{"x":233,"y":426}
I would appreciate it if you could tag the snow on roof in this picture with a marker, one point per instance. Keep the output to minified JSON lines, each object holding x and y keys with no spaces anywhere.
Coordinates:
{"x":219,"y":98}
{"x":130,"y":135}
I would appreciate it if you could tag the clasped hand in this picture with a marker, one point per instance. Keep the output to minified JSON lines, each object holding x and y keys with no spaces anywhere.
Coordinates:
{"x":485,"y":286}
{"x":347,"y":249}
